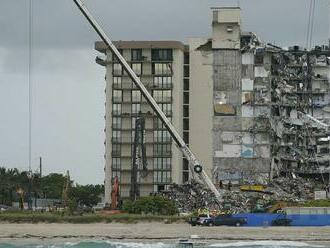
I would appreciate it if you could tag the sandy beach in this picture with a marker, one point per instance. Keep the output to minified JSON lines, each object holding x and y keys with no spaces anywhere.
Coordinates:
{"x":158,"y":232}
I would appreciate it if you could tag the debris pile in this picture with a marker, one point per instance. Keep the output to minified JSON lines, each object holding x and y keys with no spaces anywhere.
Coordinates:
{"x":193,"y":196}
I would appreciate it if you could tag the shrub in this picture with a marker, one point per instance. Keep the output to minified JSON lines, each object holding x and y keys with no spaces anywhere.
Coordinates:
{"x":156,"y":205}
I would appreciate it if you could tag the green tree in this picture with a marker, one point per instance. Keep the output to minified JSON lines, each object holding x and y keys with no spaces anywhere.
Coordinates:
{"x":87,"y":195}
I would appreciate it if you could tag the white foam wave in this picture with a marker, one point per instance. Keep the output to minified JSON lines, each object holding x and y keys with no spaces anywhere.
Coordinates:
{"x":138,"y":245}
{"x":268,"y":243}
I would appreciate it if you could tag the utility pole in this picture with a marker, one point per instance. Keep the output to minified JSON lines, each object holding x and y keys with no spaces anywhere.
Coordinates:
{"x":40,"y":167}
{"x":329,"y":25}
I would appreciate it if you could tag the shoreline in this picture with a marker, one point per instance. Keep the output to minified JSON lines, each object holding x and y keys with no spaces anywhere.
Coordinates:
{"x":154,"y":232}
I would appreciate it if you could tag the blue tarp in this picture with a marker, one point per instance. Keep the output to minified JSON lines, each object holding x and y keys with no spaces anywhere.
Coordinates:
{"x":297,"y":219}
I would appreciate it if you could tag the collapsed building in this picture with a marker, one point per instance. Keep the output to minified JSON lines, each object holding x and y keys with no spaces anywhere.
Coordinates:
{"x":250,"y":111}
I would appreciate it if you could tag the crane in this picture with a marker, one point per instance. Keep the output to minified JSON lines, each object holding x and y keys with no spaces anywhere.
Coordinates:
{"x":194,"y":164}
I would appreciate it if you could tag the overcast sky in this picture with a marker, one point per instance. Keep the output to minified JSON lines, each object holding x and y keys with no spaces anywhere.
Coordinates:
{"x":68,"y":87}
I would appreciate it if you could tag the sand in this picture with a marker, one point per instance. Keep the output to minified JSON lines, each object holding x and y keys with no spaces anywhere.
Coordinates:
{"x":158,"y":232}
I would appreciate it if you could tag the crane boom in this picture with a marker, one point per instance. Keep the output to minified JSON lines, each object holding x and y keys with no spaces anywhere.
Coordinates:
{"x":194,"y":164}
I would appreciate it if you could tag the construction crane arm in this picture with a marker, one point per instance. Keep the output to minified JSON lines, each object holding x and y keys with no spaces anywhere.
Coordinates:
{"x":193,"y":162}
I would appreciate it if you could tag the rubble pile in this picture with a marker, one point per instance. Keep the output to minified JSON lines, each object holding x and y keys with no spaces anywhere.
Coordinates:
{"x":193,"y":196}
{"x":292,"y":189}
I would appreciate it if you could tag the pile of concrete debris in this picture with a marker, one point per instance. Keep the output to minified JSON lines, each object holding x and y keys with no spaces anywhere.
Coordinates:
{"x":193,"y":196}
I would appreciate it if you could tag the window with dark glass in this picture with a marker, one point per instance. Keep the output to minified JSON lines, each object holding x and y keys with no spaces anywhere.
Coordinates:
{"x":185,"y":97}
{"x":116,"y":150}
{"x":186,"y":137}
{"x":185,"y":124}
{"x":186,"y":84}
{"x":162,"y":54}
{"x":186,"y":58}
{"x":185,"y":110}
{"x":136,"y":54}
{"x":186,"y":71}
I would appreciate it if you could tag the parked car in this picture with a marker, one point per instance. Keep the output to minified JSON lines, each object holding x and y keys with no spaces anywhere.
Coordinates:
{"x":225,"y":220}
{"x":200,"y":219}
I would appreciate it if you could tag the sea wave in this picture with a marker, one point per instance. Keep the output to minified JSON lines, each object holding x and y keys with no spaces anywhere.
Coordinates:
{"x":94,"y":244}
{"x":265,"y":243}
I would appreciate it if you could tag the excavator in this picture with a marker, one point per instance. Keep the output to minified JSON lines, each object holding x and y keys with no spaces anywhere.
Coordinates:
{"x":198,"y":173}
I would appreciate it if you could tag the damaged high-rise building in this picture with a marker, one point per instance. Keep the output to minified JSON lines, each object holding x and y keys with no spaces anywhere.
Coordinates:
{"x":249,"y":110}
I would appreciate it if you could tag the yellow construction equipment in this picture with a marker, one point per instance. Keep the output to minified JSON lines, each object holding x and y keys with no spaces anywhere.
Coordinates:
{"x":254,"y":188}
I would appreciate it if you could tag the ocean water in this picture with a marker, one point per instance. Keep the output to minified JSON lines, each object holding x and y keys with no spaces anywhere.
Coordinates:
{"x":110,"y":244}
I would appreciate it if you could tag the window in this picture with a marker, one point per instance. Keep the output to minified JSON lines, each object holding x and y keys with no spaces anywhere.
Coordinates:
{"x":116,"y":150}
{"x":158,"y":124}
{"x":185,"y":110}
{"x":186,"y":137}
{"x":186,"y":84}
{"x":161,"y":136}
{"x":162,"y":54}
{"x":185,"y":124}
{"x":162,"y":163}
{"x":136,"y":108}
{"x":162,"y":149}
{"x":230,"y":29}
{"x":136,"y":96}
{"x":162,"y":68}
{"x":166,"y":108}
{"x":116,"y":122}
{"x":115,"y":165}
{"x":163,"y":82}
{"x":186,"y":58}
{"x":117,"y":69}
{"x":116,"y":136}
{"x":116,"y":109}
{"x":117,"y":96}
{"x":117,"y":82}
{"x":185,"y":97}
{"x":136,"y":54}
{"x":185,"y":164}
{"x":186,"y":71}
{"x":115,"y":173}
{"x":162,"y":95}
{"x":162,"y":177}
{"x":137,"y":68}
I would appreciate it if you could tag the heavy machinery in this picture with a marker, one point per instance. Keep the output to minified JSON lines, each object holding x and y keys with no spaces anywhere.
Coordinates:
{"x":115,"y":194}
{"x":195,"y":166}
{"x":139,"y":158}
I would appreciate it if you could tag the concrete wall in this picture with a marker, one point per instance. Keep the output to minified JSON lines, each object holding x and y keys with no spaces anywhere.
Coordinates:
{"x":201,"y":103}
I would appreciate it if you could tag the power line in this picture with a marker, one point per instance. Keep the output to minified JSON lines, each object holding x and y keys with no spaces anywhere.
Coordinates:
{"x":309,"y":22}
{"x":30,"y":80}
{"x":312,"y":25}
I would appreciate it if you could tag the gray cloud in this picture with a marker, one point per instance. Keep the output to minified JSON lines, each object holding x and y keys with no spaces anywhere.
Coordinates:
{"x":69,"y":87}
